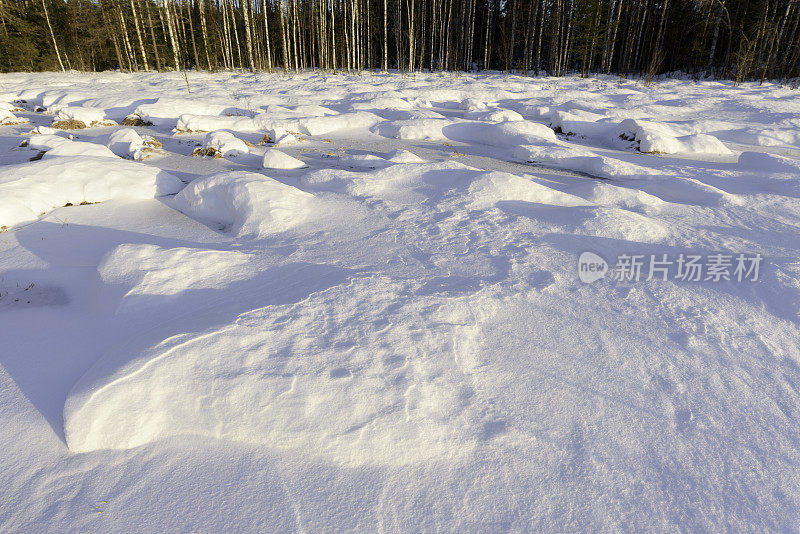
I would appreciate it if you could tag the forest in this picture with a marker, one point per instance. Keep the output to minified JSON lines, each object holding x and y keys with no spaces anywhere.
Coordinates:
{"x":733,"y":39}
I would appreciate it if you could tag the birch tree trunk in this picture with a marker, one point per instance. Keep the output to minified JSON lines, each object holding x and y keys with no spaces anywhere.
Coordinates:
{"x":283,"y":38}
{"x":139,"y":36}
{"x":125,"y":40}
{"x":153,"y":36}
{"x":247,"y":35}
{"x":204,"y":30}
{"x":191,"y":31}
{"x":488,"y":32}
{"x":266,"y":33}
{"x":411,"y":36}
{"x":173,"y":38}
{"x":53,"y":36}
{"x":613,"y":37}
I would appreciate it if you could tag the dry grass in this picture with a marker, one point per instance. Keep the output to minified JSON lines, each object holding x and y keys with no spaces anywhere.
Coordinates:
{"x":72,"y":124}
{"x":207,"y":152}
{"x":152,"y":142}
{"x":12,"y":121}
{"x":264,"y":140}
{"x":135,"y":120}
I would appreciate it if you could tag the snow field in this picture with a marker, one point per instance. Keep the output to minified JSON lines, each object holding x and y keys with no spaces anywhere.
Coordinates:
{"x":371,"y":315}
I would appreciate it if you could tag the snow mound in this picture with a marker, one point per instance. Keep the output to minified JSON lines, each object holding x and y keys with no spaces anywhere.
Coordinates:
{"x":275,"y":159}
{"x":333,"y":123}
{"x":127,"y":143}
{"x":579,"y":122}
{"x":659,"y":138}
{"x":383,"y":103}
{"x":762,"y":136}
{"x":7,"y":118}
{"x":245,"y":203}
{"x":497,"y":187}
{"x":472,"y":104}
{"x":494,"y":115}
{"x":188,"y":122}
{"x":504,"y":134}
{"x":165,"y":111}
{"x":79,"y":148}
{"x":32,"y":189}
{"x":312,"y":110}
{"x":580,"y":160}
{"x":762,"y":162}
{"x":405,"y":183}
{"x":46,"y":130}
{"x":46,"y":141}
{"x":536,"y":112}
{"x":414,"y":129}
{"x":291,"y":386}
{"x":404,"y":156}
{"x":150,"y":271}
{"x":88,"y":116}
{"x":363,"y":161}
{"x":225,"y":143}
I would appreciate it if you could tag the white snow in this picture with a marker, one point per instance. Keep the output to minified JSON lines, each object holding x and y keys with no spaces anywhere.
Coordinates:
{"x":88,"y":115}
{"x":332,"y":123}
{"x":245,"y":203}
{"x":78,"y":148}
{"x":654,"y":137}
{"x":371,"y":318}
{"x":275,"y":159}
{"x":226,"y":143}
{"x":31,"y":189}
{"x":404,"y":156}
{"x":126,"y":143}
{"x":768,"y":163}
{"x":7,"y":118}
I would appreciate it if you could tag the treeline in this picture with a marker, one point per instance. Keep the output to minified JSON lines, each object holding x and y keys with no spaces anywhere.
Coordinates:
{"x":739,"y":39}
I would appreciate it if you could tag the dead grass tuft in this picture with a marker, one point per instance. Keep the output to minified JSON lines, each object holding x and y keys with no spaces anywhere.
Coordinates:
{"x":152,"y":142}
{"x":206,"y":152}
{"x":135,"y":120}
{"x":72,"y":124}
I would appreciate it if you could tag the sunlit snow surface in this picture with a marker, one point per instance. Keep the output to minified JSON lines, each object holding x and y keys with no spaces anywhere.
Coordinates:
{"x":365,"y":312}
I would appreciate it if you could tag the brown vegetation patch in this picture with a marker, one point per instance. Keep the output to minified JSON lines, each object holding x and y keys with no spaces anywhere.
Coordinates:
{"x":152,"y":142}
{"x":135,"y":120}
{"x":72,"y":124}
{"x":264,"y":140}
{"x":207,"y":152}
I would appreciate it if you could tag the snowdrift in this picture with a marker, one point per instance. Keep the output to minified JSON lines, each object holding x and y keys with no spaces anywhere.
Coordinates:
{"x":275,"y":159}
{"x":660,"y":138}
{"x":245,"y":203}
{"x":33,"y":189}
{"x":233,"y":383}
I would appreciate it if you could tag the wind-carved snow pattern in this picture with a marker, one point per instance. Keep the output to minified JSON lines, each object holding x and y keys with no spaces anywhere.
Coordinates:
{"x":355,"y":374}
